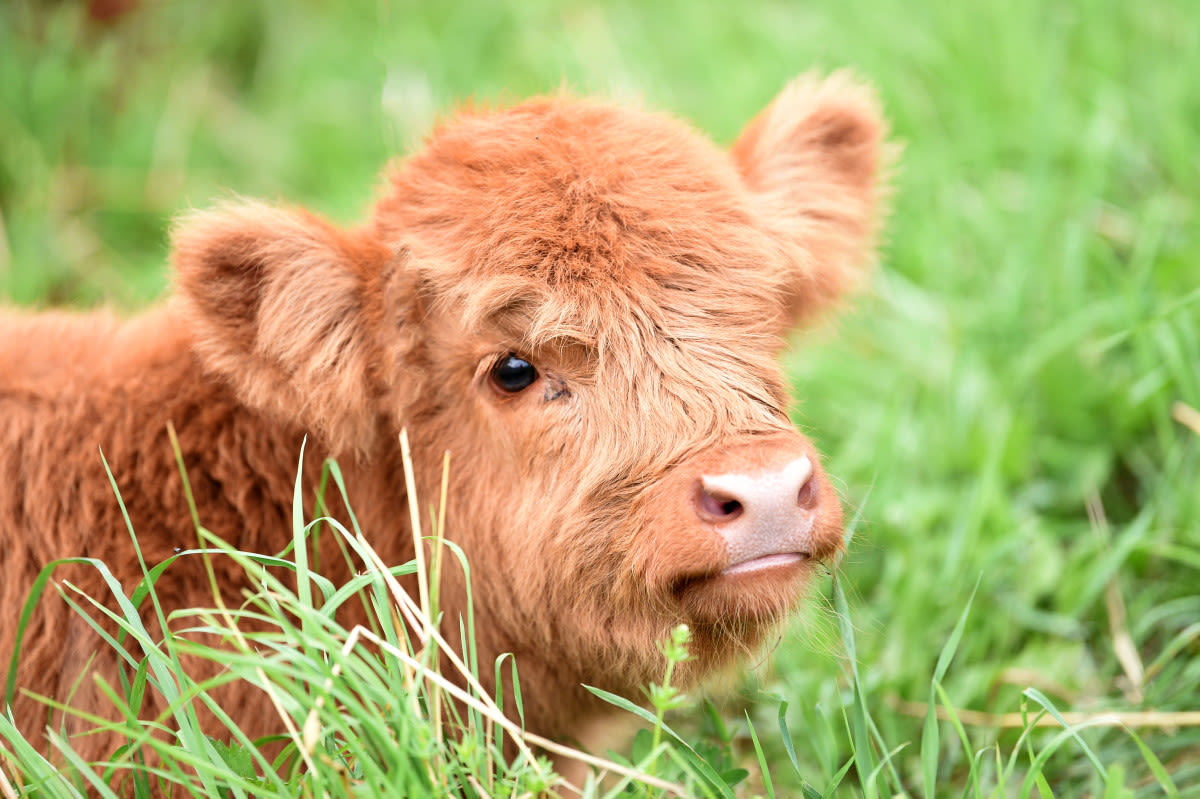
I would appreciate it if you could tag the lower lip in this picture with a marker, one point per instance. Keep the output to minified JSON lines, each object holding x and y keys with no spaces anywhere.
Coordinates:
{"x":764,"y":563}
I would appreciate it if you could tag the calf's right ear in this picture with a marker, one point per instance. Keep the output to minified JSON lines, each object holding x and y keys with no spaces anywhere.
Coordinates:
{"x":813,"y":161}
{"x":278,"y":305}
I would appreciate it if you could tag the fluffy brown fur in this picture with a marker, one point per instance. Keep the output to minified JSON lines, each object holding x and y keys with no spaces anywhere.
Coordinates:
{"x":647,"y":275}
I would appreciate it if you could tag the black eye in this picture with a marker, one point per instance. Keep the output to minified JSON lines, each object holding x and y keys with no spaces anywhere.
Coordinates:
{"x":512,"y":374}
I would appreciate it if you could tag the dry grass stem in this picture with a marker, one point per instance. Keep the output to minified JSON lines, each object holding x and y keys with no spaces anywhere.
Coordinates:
{"x":1165,"y":720}
{"x":1187,"y":416}
{"x":415,"y":514}
{"x":605,"y":765}
{"x":489,"y":710}
{"x":5,"y":786}
{"x":426,"y":631}
{"x":1123,"y":645}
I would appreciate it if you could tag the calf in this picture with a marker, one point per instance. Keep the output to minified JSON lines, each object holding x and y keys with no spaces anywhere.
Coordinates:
{"x":581,"y":302}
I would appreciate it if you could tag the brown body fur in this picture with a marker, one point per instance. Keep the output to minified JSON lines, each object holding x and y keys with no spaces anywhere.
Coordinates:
{"x":649,"y":278}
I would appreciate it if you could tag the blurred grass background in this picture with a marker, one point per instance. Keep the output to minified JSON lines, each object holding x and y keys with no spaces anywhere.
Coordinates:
{"x":998,"y":405}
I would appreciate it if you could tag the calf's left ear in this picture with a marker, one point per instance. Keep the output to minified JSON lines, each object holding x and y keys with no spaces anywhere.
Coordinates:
{"x":812,"y":161}
{"x":277,"y":304}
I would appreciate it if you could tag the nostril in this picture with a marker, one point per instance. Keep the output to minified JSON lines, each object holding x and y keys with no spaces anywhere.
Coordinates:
{"x":806,"y":497}
{"x":719,"y":508}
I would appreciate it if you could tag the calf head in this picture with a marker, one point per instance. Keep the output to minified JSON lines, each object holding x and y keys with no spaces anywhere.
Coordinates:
{"x":584,"y":304}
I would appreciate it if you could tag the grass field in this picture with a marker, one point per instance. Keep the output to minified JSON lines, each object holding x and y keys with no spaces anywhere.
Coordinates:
{"x":1011,"y":406}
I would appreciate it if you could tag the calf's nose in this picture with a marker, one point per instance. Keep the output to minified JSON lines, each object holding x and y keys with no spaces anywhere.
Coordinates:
{"x":766,"y":516}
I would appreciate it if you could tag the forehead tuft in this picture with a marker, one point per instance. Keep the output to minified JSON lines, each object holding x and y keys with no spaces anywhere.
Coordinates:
{"x":565,"y":191}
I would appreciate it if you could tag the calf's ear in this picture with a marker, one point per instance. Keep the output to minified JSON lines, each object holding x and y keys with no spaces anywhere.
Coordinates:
{"x":812,"y":161}
{"x":278,"y":305}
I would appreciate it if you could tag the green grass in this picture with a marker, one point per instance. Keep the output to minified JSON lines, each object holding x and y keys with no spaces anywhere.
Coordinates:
{"x":1015,"y":362}
{"x":363,"y":711}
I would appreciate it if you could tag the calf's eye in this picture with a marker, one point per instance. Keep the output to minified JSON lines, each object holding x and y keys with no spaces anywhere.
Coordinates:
{"x":512,"y":374}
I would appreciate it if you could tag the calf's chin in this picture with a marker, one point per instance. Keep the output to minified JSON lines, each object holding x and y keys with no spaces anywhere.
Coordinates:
{"x":582,"y":302}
